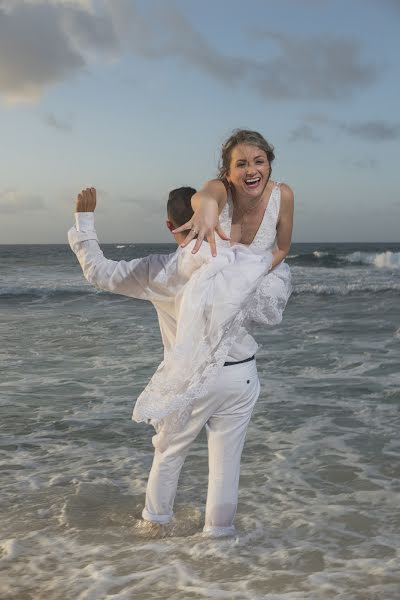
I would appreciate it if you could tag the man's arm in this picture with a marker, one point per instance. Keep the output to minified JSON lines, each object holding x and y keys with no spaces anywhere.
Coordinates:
{"x":139,"y":278}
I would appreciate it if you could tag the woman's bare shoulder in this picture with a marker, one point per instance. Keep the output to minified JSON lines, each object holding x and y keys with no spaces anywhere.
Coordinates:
{"x":286,"y":191}
{"x":287,"y":197}
{"x":218,"y":186}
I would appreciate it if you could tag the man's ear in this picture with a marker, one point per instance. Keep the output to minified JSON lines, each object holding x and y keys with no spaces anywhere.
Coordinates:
{"x":170,"y":225}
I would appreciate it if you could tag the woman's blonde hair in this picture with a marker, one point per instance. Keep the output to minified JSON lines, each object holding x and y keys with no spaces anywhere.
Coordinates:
{"x":242,"y":136}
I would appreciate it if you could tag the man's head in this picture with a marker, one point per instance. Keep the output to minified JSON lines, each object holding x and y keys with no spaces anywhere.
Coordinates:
{"x":179,"y":210}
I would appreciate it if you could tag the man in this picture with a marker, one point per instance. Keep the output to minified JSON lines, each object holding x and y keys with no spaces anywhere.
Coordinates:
{"x":208,"y":376}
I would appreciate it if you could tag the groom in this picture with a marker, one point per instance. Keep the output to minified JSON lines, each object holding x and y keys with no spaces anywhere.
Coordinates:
{"x":198,"y":299}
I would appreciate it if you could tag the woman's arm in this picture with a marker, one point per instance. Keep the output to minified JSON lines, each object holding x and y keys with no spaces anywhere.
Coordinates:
{"x":215,"y":189}
{"x":207,"y":205}
{"x":285,"y":225}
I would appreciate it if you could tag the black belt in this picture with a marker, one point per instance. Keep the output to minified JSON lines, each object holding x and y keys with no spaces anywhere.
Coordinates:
{"x":239,"y":362}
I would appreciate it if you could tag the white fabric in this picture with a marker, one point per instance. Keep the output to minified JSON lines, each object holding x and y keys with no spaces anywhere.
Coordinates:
{"x":265,"y":238}
{"x":149,"y":278}
{"x":275,"y":289}
{"x":225,"y":411}
{"x":202,"y":303}
{"x":210,"y":308}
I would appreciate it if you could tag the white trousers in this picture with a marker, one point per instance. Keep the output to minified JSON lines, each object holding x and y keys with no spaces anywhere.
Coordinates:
{"x":225,"y":412}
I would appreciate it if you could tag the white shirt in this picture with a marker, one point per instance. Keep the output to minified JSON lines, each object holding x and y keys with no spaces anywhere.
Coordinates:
{"x":202,"y":303}
{"x":143,"y":278}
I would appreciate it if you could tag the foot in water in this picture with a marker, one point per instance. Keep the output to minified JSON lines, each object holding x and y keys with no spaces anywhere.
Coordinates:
{"x":186,"y":522}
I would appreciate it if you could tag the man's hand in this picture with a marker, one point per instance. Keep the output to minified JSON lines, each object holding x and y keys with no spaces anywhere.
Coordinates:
{"x":86,"y":200}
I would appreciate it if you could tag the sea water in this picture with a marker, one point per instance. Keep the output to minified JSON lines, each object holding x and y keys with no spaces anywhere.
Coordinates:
{"x":319,"y":504}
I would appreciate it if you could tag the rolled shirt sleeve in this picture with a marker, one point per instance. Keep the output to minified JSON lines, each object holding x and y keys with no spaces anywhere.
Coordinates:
{"x":83,"y":230}
{"x":141,"y":278}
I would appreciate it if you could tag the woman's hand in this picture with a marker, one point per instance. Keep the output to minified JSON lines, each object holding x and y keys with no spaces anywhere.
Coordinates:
{"x":204,"y":224}
{"x":86,"y":200}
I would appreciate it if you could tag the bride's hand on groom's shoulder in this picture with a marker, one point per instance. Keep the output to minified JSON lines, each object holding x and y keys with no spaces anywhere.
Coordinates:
{"x":204,"y":224}
{"x":86,"y":200}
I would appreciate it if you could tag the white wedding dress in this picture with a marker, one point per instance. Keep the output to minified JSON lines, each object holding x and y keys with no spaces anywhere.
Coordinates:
{"x":215,"y":298}
{"x":275,"y":288}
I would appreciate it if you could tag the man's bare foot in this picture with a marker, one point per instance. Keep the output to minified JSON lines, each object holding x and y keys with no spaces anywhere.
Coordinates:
{"x":151,"y":529}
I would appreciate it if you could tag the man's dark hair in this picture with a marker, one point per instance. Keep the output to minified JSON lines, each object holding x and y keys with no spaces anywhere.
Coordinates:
{"x":179,"y":207}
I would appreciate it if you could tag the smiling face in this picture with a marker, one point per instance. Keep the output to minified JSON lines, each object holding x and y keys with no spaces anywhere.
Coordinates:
{"x":249,"y":170}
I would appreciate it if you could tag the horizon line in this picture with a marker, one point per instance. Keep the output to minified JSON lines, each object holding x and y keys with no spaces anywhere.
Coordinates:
{"x":174,"y":243}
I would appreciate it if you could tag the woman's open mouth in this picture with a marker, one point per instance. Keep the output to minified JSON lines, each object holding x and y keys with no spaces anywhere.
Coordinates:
{"x":252,"y":182}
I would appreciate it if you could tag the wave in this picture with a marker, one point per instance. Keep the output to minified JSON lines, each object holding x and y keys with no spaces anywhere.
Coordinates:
{"x":386,"y":259}
{"x":331,"y":259}
{"x":317,"y":289}
{"x":32,"y":293}
{"x":349,"y":289}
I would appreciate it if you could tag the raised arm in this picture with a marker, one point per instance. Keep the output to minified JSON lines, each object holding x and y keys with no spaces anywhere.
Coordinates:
{"x":207,"y":205}
{"x":285,"y":225}
{"x":138,"y":278}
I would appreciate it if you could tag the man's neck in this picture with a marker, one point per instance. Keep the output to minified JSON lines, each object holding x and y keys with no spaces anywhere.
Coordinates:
{"x":180,"y":237}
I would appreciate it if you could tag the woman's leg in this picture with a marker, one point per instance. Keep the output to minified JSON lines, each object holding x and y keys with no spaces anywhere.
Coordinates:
{"x":226,"y":432}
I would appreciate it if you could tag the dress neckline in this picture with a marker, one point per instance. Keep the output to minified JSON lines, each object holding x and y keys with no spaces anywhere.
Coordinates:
{"x":230,"y":202}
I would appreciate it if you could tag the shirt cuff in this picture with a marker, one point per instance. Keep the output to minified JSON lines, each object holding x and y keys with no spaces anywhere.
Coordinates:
{"x":84,"y":221}
{"x":82,"y":231}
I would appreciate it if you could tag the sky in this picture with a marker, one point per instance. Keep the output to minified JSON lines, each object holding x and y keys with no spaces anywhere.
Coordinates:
{"x":136,"y":98}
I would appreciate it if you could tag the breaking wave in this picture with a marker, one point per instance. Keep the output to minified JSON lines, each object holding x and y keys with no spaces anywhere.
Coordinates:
{"x":332,"y":259}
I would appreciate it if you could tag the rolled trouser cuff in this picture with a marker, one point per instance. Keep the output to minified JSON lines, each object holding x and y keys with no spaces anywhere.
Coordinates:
{"x":160,"y":519}
{"x":219,"y":531}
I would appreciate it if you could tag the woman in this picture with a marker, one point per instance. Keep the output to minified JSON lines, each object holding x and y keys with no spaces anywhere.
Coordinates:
{"x":239,"y":199}
{"x":253,"y":210}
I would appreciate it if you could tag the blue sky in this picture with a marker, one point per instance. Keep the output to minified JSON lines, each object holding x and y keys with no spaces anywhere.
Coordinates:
{"x":137,"y":97}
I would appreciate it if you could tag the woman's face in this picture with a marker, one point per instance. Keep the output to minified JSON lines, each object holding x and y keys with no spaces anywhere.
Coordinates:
{"x":249,"y":170}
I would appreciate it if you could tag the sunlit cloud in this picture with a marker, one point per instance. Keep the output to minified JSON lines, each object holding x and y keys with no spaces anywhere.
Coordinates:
{"x":12,"y":201}
{"x":42,"y":44}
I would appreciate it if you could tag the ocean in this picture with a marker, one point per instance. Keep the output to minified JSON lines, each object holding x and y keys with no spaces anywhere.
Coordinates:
{"x":319,"y":501}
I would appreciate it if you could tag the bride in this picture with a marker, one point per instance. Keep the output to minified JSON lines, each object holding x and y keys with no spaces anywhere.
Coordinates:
{"x":243,"y":204}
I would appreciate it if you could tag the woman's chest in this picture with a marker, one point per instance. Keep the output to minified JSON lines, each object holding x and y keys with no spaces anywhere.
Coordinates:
{"x":245,"y":228}
{"x":255,"y":229}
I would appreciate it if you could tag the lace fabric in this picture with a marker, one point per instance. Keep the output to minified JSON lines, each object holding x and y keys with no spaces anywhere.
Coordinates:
{"x":211,"y":308}
{"x":265,"y":238}
{"x":215,"y":299}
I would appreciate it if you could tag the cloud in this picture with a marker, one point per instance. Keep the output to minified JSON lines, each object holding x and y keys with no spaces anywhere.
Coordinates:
{"x":57,"y":123}
{"x":373,"y":131}
{"x":86,"y":4}
{"x":328,"y":68}
{"x":12,"y":202}
{"x":369,"y":131}
{"x":365,"y":163}
{"x":164,"y":32}
{"x":149,"y":205}
{"x":390,"y":3}
{"x":43,"y":43}
{"x":34,"y":51}
{"x":303,"y":133}
{"x":308,"y":68}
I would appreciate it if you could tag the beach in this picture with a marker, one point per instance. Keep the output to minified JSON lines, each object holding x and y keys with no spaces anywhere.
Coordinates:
{"x":318,"y":515}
